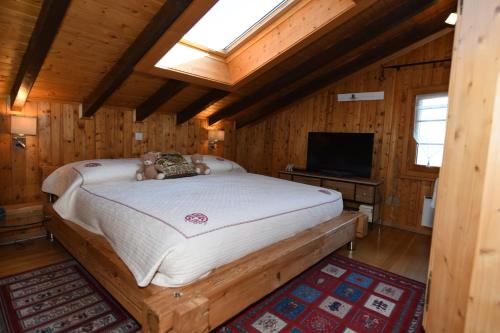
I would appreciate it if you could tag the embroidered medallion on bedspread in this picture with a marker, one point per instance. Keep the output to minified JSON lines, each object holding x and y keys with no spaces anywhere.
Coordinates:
{"x":337,"y":295}
{"x":59,"y":298}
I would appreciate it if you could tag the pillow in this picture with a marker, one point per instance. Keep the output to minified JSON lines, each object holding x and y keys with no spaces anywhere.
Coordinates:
{"x":174,"y":165}
{"x":90,"y":172}
{"x":219,"y":165}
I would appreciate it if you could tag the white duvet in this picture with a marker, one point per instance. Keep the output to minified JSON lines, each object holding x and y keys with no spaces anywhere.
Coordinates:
{"x":172,"y":232}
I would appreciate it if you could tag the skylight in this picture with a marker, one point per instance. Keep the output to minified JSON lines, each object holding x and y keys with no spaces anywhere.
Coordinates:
{"x":228,"y":20}
{"x":178,"y":55}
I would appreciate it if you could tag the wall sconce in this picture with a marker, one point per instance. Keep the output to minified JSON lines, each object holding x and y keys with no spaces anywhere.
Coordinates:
{"x":20,"y":126}
{"x":452,"y":19}
{"x":214,"y":137}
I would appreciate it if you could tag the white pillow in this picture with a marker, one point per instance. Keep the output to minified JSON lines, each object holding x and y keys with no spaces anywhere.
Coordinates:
{"x":218,"y":164}
{"x":90,"y":172}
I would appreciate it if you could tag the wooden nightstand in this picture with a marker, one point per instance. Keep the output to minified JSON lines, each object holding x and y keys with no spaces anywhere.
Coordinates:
{"x":22,"y":223}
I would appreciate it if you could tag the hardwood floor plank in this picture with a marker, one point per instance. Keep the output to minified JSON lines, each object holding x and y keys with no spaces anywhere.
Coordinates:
{"x":398,"y":251}
{"x":30,"y":255}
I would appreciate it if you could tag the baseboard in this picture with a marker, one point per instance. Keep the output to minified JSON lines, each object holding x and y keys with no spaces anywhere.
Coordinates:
{"x":418,"y":230}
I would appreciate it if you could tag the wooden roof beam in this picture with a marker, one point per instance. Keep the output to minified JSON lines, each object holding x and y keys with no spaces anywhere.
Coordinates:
{"x":402,"y":13}
{"x":165,"y":17}
{"x":200,"y":104}
{"x":366,"y":59}
{"x":47,"y":25}
{"x":160,"y":97}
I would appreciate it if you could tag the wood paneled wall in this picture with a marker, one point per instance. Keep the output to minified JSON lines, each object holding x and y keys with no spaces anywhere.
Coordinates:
{"x":270,"y":145}
{"x":464,"y":267}
{"x":63,"y":138}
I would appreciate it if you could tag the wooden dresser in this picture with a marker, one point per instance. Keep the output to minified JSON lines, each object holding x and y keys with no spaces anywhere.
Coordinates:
{"x":355,"y":191}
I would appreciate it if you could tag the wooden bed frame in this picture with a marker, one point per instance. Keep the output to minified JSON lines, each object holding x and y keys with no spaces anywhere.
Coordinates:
{"x":209,"y":302}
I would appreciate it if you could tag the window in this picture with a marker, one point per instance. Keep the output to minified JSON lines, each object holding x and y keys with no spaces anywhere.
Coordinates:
{"x":424,"y":132}
{"x":430,"y":128}
{"x":229,"y":20}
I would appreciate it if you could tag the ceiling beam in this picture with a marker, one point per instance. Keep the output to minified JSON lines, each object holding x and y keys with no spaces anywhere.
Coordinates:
{"x":367,"y":58}
{"x":200,"y":104}
{"x":45,"y":30}
{"x":405,"y":11}
{"x":160,"y":97}
{"x":165,"y":17}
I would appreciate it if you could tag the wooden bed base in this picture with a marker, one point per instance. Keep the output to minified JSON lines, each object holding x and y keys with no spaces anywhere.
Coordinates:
{"x":207,"y":303}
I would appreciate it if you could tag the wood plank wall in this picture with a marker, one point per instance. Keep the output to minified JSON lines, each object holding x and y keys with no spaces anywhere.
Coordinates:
{"x":270,"y":145}
{"x":63,"y":138}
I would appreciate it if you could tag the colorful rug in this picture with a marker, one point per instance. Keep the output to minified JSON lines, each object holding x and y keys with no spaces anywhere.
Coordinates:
{"x":59,"y":298}
{"x":337,"y":295}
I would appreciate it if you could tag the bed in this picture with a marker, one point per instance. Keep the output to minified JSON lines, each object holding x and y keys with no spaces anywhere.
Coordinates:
{"x":186,"y":254}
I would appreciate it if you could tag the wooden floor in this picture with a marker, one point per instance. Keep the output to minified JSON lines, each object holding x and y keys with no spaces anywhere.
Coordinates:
{"x":398,"y":251}
{"x":394,"y":250}
{"x":29,"y":255}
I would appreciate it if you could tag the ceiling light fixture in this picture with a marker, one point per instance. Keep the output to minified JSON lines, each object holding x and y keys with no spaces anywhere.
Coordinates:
{"x":452,"y":19}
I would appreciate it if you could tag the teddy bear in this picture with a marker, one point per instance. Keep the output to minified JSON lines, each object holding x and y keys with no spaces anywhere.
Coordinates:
{"x":148,"y":170}
{"x":200,"y":167}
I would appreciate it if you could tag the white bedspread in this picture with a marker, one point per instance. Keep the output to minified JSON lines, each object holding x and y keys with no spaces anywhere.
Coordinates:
{"x":172,"y":232}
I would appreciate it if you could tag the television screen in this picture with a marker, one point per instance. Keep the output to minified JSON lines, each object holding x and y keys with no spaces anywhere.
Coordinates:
{"x":340,"y":154}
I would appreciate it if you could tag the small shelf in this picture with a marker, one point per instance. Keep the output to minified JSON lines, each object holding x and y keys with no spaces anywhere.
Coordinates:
{"x":19,"y":227}
{"x":21,"y":221}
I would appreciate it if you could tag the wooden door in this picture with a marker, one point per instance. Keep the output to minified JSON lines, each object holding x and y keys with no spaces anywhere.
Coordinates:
{"x":464,"y":291}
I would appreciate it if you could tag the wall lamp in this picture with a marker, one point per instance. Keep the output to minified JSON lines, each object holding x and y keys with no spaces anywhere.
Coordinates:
{"x":452,"y":19}
{"x":214,"y":137}
{"x":20,"y":127}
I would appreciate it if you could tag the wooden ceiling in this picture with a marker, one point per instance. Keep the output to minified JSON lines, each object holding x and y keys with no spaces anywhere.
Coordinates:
{"x":96,"y":33}
{"x":17,"y":20}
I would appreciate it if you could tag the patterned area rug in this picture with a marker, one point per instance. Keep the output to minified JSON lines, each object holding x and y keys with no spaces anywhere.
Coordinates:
{"x":59,"y":298}
{"x":337,"y":295}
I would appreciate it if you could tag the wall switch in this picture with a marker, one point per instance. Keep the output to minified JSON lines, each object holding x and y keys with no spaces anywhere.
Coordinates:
{"x":139,"y":136}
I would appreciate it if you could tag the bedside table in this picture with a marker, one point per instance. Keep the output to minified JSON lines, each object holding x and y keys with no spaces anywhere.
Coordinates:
{"x":19,"y":228}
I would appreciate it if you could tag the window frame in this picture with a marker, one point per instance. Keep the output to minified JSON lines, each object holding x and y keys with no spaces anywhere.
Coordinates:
{"x":410,"y":169}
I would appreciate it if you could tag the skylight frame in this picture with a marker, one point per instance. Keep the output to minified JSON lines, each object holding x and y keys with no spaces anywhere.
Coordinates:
{"x":258,"y":26}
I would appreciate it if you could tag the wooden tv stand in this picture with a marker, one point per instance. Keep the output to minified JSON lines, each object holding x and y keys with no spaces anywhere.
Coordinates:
{"x":355,"y":191}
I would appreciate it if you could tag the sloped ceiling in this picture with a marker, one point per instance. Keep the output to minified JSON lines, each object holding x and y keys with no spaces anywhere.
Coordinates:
{"x":17,"y":20}
{"x":95,"y":33}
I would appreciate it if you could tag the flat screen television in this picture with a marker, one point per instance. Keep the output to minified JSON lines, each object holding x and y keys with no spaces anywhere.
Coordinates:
{"x":340,"y":154}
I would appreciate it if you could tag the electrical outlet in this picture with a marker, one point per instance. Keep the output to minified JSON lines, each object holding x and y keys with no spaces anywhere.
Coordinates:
{"x":139,"y":136}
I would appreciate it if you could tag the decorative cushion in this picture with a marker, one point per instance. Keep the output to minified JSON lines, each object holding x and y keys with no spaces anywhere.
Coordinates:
{"x":174,"y":165}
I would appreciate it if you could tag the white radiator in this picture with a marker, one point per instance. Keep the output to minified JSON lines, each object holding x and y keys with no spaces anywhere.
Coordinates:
{"x":429,"y":207}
